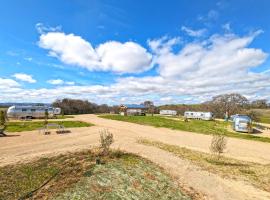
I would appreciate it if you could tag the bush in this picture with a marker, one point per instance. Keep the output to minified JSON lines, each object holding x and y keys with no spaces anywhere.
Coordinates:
{"x":218,"y":144}
{"x":106,"y":140}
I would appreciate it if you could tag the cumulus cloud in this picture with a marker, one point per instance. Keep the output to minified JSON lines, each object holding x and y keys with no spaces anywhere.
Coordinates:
{"x":60,"y":82}
{"x":24,"y":77}
{"x":192,"y":72}
{"x":6,"y":83}
{"x":128,"y":57}
{"x":193,"y":33}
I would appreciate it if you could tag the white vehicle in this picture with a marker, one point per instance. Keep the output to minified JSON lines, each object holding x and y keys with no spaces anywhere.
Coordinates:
{"x":23,"y":112}
{"x":168,"y":112}
{"x":198,"y":115}
{"x":241,"y":123}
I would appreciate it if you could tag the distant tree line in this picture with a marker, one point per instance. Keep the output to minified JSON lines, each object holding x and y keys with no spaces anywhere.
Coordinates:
{"x":77,"y":106}
{"x":232,"y":103}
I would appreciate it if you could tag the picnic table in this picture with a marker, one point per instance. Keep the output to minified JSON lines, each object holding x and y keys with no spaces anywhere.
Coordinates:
{"x":60,"y":129}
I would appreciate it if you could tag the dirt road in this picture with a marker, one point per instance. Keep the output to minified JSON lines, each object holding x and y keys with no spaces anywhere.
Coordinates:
{"x":28,"y":145}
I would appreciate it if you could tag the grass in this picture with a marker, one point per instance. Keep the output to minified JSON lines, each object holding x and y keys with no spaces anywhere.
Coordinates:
{"x":198,"y":126}
{"x":76,"y":176}
{"x":254,"y":173}
{"x":264,"y":115}
{"x":29,"y":126}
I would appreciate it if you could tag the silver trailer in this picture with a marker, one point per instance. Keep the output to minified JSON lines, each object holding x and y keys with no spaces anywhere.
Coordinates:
{"x":168,"y":112}
{"x":23,"y":112}
{"x":242,"y":123}
{"x":198,"y":115}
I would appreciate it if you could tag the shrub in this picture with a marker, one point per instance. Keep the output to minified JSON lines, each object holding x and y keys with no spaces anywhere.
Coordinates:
{"x":106,"y":140}
{"x":218,"y":144}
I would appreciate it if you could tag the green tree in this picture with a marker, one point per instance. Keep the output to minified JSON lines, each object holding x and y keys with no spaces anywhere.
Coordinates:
{"x":3,"y":119}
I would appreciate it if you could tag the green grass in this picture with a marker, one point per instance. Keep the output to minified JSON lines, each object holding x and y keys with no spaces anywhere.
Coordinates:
{"x":29,"y":126}
{"x":198,"y":126}
{"x":76,"y":176}
{"x":256,"y":174}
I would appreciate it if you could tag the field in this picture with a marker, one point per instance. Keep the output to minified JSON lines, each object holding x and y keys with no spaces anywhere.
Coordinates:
{"x":264,"y":115}
{"x":76,"y":176}
{"x":34,"y":125}
{"x":198,"y":126}
{"x":256,"y":174}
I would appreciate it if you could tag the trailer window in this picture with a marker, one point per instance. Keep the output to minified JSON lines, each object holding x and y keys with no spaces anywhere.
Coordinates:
{"x":33,"y":110}
{"x":24,"y":110}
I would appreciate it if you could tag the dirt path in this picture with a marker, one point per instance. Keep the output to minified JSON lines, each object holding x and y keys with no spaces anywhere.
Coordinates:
{"x":29,"y":145}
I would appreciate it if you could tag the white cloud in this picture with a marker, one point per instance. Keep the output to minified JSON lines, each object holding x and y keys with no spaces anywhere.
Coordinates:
{"x":194,"y":73}
{"x":124,"y":57}
{"x":56,"y":82}
{"x":193,"y":33}
{"x":24,"y":77}
{"x":128,"y":57}
{"x":6,"y":83}
{"x":60,"y":82}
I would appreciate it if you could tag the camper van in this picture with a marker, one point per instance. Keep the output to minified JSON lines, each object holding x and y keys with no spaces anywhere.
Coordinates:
{"x":241,"y":123}
{"x":168,"y":112}
{"x":24,"y":112}
{"x":198,"y":115}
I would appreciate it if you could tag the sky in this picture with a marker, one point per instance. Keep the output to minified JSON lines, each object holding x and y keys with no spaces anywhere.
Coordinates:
{"x":127,"y":51}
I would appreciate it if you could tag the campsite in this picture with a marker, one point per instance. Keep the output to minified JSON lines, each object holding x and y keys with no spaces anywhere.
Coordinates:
{"x":134,"y":100}
{"x":150,"y":149}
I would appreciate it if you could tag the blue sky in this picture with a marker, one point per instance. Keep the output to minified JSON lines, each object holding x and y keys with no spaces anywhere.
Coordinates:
{"x":130,"y":51}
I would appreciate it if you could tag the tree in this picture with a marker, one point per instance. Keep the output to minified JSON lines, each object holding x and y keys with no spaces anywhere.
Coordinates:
{"x":231,"y":103}
{"x":150,"y":106}
{"x":3,"y":119}
{"x":260,"y":103}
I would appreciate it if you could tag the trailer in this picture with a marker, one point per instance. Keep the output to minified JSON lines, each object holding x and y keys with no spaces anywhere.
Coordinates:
{"x":24,"y":112}
{"x":198,"y":115}
{"x":168,"y":112}
{"x":241,"y":123}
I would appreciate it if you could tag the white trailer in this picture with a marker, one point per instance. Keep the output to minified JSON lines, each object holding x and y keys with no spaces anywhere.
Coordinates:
{"x":168,"y":112}
{"x":23,"y":112}
{"x":242,"y":123}
{"x":198,"y":115}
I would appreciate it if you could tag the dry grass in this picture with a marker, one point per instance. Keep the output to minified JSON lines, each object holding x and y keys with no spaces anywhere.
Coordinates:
{"x":76,"y":176}
{"x":256,"y":174}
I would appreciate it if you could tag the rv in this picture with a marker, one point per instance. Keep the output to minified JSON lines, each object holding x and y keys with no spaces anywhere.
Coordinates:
{"x":168,"y":112}
{"x":241,"y":123}
{"x":24,"y":112}
{"x":198,"y":115}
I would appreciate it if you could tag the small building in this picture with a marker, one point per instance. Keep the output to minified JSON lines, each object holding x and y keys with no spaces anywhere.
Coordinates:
{"x":168,"y":112}
{"x":132,"y":109}
{"x":198,"y":115}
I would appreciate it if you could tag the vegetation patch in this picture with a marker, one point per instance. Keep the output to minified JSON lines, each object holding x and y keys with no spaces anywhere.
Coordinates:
{"x":30,"y":126}
{"x":77,"y":176}
{"x":197,"y":126}
{"x":254,"y":173}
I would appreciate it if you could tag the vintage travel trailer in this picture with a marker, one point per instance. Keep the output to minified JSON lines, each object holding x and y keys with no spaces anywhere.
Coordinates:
{"x":132,"y":109}
{"x":168,"y":112}
{"x":198,"y":115}
{"x":23,"y":112}
{"x":241,"y":123}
